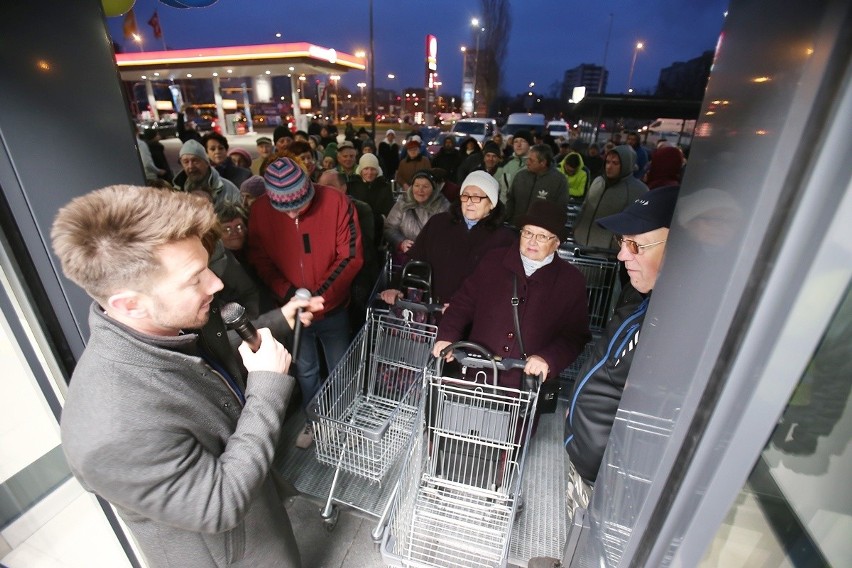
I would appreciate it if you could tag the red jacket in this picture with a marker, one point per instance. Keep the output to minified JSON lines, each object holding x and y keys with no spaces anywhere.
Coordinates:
{"x":553,"y":311}
{"x":320,"y":250}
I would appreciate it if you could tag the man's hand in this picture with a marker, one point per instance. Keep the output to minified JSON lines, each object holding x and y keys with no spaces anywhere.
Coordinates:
{"x":390,"y":296}
{"x":288,"y":310}
{"x":406,"y":245}
{"x":271,"y":356}
{"x":438,"y":347}
{"x":536,"y":366}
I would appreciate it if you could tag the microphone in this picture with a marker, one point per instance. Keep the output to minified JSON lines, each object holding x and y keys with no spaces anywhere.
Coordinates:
{"x":301,"y":294}
{"x":234,"y":316}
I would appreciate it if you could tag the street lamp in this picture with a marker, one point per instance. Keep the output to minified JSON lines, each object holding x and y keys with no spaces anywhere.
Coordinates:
{"x":363,"y":102}
{"x":390,"y":102}
{"x":138,"y":39}
{"x":475,"y":23}
{"x":639,"y":45}
{"x":336,"y":79}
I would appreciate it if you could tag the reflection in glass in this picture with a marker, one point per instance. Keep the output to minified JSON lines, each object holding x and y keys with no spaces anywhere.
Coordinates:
{"x":796,"y":507}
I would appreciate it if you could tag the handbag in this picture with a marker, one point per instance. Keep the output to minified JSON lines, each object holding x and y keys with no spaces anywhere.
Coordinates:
{"x":548,"y":391}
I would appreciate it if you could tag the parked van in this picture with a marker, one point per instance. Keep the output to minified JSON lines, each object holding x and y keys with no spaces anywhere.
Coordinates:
{"x":481,"y":129}
{"x":674,"y":130}
{"x":524,"y":121}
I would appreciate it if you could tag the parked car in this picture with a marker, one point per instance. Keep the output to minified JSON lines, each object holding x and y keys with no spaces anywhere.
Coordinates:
{"x":166,"y":128}
{"x":558,"y":129}
{"x":433,"y":146}
{"x":481,"y":129}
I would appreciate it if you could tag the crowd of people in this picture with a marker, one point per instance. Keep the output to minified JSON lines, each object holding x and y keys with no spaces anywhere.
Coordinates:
{"x":192,"y":423}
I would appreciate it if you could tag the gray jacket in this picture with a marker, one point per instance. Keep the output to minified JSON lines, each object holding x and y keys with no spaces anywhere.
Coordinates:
{"x":527,"y":187}
{"x":407,"y":217}
{"x":608,"y":197}
{"x":152,"y":428}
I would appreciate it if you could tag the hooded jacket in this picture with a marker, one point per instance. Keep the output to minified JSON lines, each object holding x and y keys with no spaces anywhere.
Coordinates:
{"x":223,"y":190}
{"x":577,"y":182}
{"x":408,"y":217}
{"x":608,"y":197}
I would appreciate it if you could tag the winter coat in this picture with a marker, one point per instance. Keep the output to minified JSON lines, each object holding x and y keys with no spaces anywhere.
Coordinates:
{"x":377,"y":194}
{"x":453,"y":251}
{"x":151,"y":427}
{"x":511,"y":166}
{"x":608,"y":197}
{"x":577,"y":182}
{"x":527,"y":187}
{"x":407,"y":217}
{"x":320,"y":250}
{"x":553,"y":311}
{"x":233,"y":173}
{"x":224,"y":192}
{"x":597,"y":392}
{"x":448,"y":160}
{"x":408,"y":167}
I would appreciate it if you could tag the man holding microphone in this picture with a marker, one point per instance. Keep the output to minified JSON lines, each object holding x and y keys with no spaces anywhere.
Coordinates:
{"x":160,"y":420}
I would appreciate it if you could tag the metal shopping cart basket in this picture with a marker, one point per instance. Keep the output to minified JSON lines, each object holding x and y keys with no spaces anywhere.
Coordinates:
{"x":460,"y":487}
{"x":600,"y":268}
{"x":365,"y":412}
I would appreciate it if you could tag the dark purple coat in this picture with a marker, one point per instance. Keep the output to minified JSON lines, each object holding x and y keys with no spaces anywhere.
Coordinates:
{"x":553,"y":311}
{"x":453,"y":251}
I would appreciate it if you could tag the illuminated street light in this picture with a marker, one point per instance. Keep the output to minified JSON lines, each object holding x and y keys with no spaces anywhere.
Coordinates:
{"x":363,"y":102}
{"x":475,"y":23}
{"x":639,"y":45}
{"x":138,"y":39}
{"x":336,"y":79}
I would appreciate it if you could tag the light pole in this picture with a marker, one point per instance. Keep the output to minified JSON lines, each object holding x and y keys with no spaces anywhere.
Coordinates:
{"x":475,"y":23}
{"x":464,"y":72}
{"x":336,"y":79}
{"x":363,"y":103}
{"x":639,"y":45}
{"x":391,"y":76}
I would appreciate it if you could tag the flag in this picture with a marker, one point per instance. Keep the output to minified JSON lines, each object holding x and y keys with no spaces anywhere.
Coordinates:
{"x":130,"y":25}
{"x":154,"y":22}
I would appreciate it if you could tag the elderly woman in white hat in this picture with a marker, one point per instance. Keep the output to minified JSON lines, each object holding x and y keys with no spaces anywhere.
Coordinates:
{"x":372,"y":187}
{"x":453,"y":242}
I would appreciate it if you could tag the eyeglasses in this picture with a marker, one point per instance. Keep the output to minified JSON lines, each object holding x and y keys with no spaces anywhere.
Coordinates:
{"x":475,"y":198}
{"x":633,"y":246}
{"x":239,"y":229}
{"x":539,"y":237}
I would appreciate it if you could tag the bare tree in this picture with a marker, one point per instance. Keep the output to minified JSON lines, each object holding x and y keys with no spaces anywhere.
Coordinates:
{"x":492,"y":50}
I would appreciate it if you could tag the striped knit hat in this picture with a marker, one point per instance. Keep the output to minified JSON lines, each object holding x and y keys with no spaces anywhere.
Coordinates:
{"x":287,"y":185}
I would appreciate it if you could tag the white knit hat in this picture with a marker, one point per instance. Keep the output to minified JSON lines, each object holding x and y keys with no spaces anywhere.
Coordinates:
{"x":484,"y":181}
{"x":368,"y":161}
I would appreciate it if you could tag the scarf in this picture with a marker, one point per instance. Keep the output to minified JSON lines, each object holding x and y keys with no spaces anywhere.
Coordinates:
{"x":530,"y":265}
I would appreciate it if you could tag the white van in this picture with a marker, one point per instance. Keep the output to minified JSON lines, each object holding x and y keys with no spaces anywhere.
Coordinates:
{"x":480,"y":129}
{"x":525,"y":121}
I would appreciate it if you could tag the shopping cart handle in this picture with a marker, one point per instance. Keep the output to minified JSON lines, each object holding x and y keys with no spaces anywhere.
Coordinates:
{"x":480,"y":361}
{"x":419,"y":306}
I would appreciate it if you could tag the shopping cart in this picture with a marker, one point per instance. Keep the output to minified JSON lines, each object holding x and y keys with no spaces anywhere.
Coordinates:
{"x":600,"y":269}
{"x":460,"y":488}
{"x":365,"y":412}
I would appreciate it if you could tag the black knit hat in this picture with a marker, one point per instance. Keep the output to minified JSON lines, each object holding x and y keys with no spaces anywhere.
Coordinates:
{"x":547,"y":215}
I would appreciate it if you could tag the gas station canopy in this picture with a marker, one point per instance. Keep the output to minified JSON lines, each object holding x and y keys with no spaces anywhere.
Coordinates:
{"x":236,"y":61}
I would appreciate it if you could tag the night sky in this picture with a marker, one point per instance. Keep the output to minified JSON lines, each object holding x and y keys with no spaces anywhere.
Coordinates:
{"x":547,"y":37}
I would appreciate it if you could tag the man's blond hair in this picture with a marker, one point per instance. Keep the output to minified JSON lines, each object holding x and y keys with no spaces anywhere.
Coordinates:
{"x":108,"y":240}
